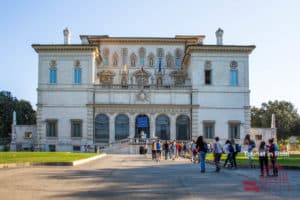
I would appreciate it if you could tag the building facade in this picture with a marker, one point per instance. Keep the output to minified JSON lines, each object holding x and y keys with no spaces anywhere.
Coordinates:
{"x":112,"y":88}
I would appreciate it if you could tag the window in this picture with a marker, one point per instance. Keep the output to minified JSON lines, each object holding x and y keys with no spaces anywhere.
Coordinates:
{"x":258,"y":137}
{"x":121,"y":127}
{"x":209,"y":130}
{"x":52,"y":147}
{"x":162,"y":125}
{"x":101,"y":129}
{"x":233,"y":77}
{"x":142,"y":62}
{"x":177,"y":62}
{"x":53,"y":76}
{"x":106,"y":56}
{"x":51,"y":128}
{"x":234,"y":130}
{"x":233,"y":73}
{"x":142,"y":54}
{"x":76,"y":128}
{"x":77,"y":75}
{"x":28,"y":135}
{"x":76,"y":148}
{"x":183,"y":128}
{"x":207,"y":77}
{"x":159,"y":64}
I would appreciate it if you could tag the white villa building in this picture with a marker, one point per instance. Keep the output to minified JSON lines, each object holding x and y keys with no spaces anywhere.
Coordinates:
{"x":111,"y":88}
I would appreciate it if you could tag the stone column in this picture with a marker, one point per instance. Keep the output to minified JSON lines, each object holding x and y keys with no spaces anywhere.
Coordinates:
{"x":152,"y":125}
{"x":173,"y":127}
{"x":111,"y":128}
{"x":131,"y":125}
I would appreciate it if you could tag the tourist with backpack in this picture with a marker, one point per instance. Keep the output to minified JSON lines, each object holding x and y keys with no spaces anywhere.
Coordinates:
{"x":250,"y":146}
{"x":229,"y":150}
{"x":273,"y":157}
{"x":217,"y":151}
{"x":236,"y":150}
{"x":202,"y":150}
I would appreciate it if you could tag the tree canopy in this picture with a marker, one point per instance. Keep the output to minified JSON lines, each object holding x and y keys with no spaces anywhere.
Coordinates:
{"x":287,"y":118}
{"x":25,"y":113}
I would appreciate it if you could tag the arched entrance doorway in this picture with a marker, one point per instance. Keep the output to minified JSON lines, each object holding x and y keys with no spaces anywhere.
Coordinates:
{"x":183,"y":128}
{"x":162,"y":124}
{"x":142,"y":126}
{"x":101,"y":128}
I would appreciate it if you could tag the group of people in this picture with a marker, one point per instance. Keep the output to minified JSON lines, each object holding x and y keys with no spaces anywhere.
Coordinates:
{"x":199,"y":148}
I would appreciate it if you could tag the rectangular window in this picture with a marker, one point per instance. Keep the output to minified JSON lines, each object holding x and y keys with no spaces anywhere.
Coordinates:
{"x":106,"y":61}
{"x":234,"y":130}
{"x":52,"y":147}
{"x":28,"y":135}
{"x":233,"y":77}
{"x":209,"y":130}
{"x":53,"y":76}
{"x":177,"y":62}
{"x":76,"y":128}
{"x":76,"y":148}
{"x":207,"y":77}
{"x":51,"y":128}
{"x":77,"y":76}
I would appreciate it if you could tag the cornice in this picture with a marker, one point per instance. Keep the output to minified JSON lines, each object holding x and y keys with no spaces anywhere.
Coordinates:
{"x":182,"y":39}
{"x":145,"y":106}
{"x":61,"y":47}
{"x":221,"y":48}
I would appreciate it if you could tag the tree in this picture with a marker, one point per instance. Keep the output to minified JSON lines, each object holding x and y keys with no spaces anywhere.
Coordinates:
{"x":287,"y":118}
{"x":8,"y":103}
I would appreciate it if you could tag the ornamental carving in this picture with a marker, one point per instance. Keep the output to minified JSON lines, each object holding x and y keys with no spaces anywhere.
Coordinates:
{"x":77,"y":63}
{"x":133,"y":60}
{"x":233,"y":64}
{"x":142,"y":77}
{"x":179,"y":77}
{"x":160,"y":52}
{"x":170,"y":60}
{"x":115,"y":59}
{"x":151,"y":60}
{"x":178,"y":53}
{"x":53,"y":63}
{"x":207,"y":65}
{"x":143,"y":96}
{"x":106,"y":77}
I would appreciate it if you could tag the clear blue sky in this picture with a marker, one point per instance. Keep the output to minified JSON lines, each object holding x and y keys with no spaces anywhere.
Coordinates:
{"x":273,"y":26}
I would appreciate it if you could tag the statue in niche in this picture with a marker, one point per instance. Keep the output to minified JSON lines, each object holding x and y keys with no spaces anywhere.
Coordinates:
{"x":151,"y":62}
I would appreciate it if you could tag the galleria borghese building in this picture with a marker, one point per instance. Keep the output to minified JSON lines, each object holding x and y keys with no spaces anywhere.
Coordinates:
{"x":107,"y":89}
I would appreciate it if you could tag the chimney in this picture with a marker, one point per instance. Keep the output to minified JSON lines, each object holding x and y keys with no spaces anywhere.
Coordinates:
{"x":67,"y":36}
{"x":219,"y":35}
{"x":14,"y":118}
{"x":273,"y":121}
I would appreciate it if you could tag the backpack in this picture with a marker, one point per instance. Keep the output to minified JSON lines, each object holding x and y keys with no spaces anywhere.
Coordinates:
{"x":238,"y":148}
{"x":205,"y":148}
{"x":231,"y":149}
{"x":252,"y":144}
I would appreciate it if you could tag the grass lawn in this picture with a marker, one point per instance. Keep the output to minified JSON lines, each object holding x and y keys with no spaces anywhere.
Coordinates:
{"x":22,"y":157}
{"x":291,"y":160}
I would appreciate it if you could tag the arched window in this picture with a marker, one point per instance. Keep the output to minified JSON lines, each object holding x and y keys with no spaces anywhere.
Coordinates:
{"x":162,"y":125}
{"x":142,"y":54}
{"x":233,"y":73}
{"x":106,"y":57}
{"x":121,"y":127}
{"x":183,"y":128}
{"x":101,"y":128}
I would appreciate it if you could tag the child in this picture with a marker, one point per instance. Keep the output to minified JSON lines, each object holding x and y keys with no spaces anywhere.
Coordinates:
{"x":263,"y":159}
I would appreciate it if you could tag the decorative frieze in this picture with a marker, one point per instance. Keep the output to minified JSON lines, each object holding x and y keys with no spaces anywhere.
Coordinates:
{"x":106,"y":77}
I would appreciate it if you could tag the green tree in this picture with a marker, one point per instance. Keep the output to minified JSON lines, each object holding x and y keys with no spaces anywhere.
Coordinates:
{"x":287,"y":118}
{"x":8,"y":103}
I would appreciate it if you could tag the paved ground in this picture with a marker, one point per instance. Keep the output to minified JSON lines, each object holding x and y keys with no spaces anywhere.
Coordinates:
{"x":135,"y":177}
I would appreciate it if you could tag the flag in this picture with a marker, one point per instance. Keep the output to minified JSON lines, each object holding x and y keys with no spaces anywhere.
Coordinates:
{"x":125,"y":68}
{"x":159,"y":66}
{"x":142,"y":68}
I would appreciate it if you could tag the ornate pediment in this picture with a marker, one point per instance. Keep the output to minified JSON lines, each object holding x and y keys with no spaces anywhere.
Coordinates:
{"x":106,"y":77}
{"x":142,"y":77}
{"x":179,"y":76}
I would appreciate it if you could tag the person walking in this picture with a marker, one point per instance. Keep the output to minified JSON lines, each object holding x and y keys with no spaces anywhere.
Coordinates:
{"x":250,"y":146}
{"x":217,"y":151}
{"x":229,"y":150}
{"x":194,"y":151}
{"x":167,"y":149}
{"x":202,"y":150}
{"x":263,"y":159}
{"x":158,"y":150}
{"x":273,"y":157}
{"x":154,"y":150}
{"x":235,"y":152}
